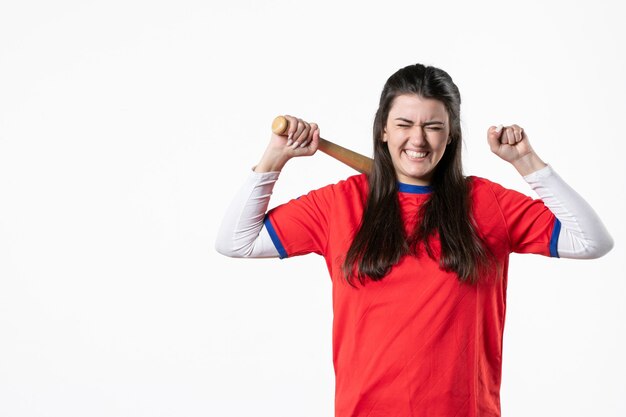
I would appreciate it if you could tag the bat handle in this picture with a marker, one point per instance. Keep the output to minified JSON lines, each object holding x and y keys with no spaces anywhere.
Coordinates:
{"x":354,"y":160}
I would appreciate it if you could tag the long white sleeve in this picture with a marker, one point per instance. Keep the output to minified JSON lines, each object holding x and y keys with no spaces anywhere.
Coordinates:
{"x":582,"y":234}
{"x":241,"y":233}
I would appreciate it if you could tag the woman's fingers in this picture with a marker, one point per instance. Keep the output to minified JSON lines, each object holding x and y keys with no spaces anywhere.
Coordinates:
{"x":511,"y":135}
{"x":296,"y":126}
{"x":307,"y":141}
{"x":302,"y":134}
{"x":299,"y":132}
{"x":494,"y":133}
{"x":292,"y":125}
{"x":508,"y":142}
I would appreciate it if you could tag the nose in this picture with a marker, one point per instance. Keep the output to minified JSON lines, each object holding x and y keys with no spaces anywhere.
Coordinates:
{"x":417,"y":136}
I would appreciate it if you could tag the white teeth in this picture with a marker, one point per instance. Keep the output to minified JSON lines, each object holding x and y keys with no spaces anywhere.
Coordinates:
{"x":414,"y":154}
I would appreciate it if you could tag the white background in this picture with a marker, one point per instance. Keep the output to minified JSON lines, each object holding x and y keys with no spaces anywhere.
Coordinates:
{"x":126,"y":127}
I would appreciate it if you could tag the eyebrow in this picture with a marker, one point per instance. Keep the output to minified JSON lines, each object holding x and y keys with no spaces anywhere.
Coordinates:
{"x":434,"y":122}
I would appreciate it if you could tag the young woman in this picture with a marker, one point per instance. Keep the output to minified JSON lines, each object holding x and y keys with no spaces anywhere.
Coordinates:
{"x":418,"y":253}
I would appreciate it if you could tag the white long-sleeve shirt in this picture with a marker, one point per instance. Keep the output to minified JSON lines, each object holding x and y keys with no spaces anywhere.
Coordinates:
{"x":582,"y":234}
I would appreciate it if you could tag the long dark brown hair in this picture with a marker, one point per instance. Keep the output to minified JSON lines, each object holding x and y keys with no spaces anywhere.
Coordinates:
{"x":381,"y":240}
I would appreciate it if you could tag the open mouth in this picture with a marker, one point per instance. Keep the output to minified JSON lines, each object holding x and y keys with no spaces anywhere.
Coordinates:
{"x":415,"y":154}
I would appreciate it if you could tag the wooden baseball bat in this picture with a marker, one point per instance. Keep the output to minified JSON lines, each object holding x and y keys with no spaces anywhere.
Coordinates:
{"x":354,"y":160}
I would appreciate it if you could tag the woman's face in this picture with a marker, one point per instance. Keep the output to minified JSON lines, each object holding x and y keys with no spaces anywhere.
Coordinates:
{"x":416,"y":134}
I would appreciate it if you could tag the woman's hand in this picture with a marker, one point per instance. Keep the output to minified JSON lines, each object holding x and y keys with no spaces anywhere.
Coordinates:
{"x":511,"y":144}
{"x":301,"y":139}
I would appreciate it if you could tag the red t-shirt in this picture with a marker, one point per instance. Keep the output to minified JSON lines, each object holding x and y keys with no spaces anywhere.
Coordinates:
{"x":418,"y":343}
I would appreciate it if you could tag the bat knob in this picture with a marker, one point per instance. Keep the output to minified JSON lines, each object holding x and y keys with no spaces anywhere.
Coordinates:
{"x":280,"y":125}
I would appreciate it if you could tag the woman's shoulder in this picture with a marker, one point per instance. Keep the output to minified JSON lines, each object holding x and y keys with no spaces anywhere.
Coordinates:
{"x":356,"y":183}
{"x":479,"y":185}
{"x":351,"y":188}
{"x":477,"y":181}
{"x":484,"y":192}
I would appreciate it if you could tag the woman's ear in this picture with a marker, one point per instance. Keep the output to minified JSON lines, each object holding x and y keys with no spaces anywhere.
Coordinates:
{"x":385,"y":135}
